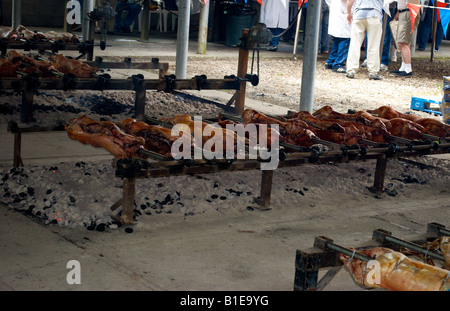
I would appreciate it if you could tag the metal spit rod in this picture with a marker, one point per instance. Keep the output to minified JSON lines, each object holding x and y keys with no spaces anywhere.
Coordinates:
{"x":326,"y":243}
{"x":384,"y":236}
{"x":437,"y":229}
{"x":348,"y":252}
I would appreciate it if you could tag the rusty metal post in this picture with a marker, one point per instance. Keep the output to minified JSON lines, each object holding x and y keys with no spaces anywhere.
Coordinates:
{"x":145,"y":23}
{"x":203,"y":31}
{"x":27,"y":104}
{"x":380,"y":171}
{"x":17,"y":159}
{"x":239,"y":104}
{"x":266,"y":189}
{"x":306,"y":271}
{"x":433,"y":31}
{"x":129,"y":187}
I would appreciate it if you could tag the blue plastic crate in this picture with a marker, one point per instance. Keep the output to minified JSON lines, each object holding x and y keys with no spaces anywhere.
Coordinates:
{"x":430,"y":105}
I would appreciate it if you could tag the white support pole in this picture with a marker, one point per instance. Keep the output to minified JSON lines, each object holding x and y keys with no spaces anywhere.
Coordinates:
{"x":184,"y":10}
{"x":16,"y":13}
{"x":88,"y":6}
{"x":203,"y":31}
{"x":310,"y":48}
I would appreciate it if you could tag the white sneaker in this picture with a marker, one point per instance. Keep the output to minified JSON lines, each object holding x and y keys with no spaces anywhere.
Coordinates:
{"x":364,"y":63}
{"x":383,"y":67}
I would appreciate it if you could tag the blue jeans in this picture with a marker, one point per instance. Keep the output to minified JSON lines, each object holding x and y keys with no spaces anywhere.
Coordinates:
{"x":324,"y":39}
{"x":275,"y":32}
{"x":424,"y":31}
{"x":133,"y":10}
{"x":387,"y":39}
{"x":339,"y":52}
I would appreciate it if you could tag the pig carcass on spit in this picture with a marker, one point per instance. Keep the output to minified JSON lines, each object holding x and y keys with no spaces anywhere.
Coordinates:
{"x":105,"y":134}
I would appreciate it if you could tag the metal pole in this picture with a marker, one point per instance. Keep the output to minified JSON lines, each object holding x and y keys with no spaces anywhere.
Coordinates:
{"x":347,"y":252}
{"x":145,"y":20}
{"x":203,"y":31}
{"x":16,"y":13}
{"x":88,"y":6}
{"x":433,"y":31}
{"x":310,"y":54}
{"x":184,"y":9}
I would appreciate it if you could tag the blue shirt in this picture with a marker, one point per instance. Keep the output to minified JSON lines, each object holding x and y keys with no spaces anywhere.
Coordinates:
{"x":368,"y":8}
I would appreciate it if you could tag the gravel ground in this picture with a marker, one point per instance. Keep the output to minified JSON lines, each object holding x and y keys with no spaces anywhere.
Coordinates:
{"x":281,"y":79}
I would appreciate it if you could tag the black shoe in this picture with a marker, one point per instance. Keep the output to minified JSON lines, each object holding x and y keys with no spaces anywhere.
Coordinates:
{"x":395,"y":71}
{"x":339,"y":70}
{"x":328,"y":66}
{"x":404,"y":74}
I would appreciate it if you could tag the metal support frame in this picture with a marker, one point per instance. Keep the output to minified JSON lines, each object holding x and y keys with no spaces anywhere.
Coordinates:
{"x":308,"y":263}
{"x":435,"y":229}
{"x":266,"y":190}
{"x":380,"y":171}
{"x":14,"y":128}
{"x":386,"y":239}
{"x":169,"y":167}
{"x":242,"y":72}
{"x":168,"y":83}
{"x":325,"y":254}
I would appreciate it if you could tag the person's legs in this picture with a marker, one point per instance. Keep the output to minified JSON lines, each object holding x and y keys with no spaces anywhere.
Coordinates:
{"x":424,"y":31}
{"x":342,"y":52}
{"x":374,"y":34}
{"x":273,"y":46}
{"x":118,"y":19}
{"x":439,"y":36}
{"x":329,"y":63}
{"x":387,"y":40}
{"x":133,"y":12}
{"x":358,"y":33}
{"x":324,"y":42}
{"x":404,"y":41}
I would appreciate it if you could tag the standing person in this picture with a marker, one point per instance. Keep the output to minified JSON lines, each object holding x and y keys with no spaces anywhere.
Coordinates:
{"x":404,"y":36}
{"x":133,"y":10}
{"x":324,"y":38}
{"x":387,"y":43}
{"x":275,"y":15}
{"x":424,"y":30}
{"x":339,"y":30}
{"x":366,"y":19}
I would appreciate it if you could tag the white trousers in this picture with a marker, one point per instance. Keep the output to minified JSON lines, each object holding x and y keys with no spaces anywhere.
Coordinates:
{"x":371,"y":26}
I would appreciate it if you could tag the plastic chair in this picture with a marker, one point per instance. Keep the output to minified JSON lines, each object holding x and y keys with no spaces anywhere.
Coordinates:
{"x":159,"y":12}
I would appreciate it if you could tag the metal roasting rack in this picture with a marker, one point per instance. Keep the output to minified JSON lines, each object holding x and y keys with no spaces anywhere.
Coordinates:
{"x":325,"y":254}
{"x":157,"y":165}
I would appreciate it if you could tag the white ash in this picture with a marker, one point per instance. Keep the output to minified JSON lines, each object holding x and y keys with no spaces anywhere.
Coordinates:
{"x":54,"y":107}
{"x":80,"y":194}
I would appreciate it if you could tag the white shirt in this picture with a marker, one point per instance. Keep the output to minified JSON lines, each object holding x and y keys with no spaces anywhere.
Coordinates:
{"x":338,"y":25}
{"x":275,"y":13}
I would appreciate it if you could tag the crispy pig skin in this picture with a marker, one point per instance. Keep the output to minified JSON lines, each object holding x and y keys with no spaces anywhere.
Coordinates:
{"x":193,"y":126}
{"x":157,"y":138}
{"x":398,"y":272}
{"x":296,"y":133}
{"x":104,"y":134}
{"x":429,"y":125}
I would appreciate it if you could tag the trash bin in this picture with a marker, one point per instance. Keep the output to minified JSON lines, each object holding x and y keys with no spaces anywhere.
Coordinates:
{"x":238,"y":17}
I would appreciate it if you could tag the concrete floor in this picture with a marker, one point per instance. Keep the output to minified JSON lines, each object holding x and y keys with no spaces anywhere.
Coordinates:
{"x":254,"y":252}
